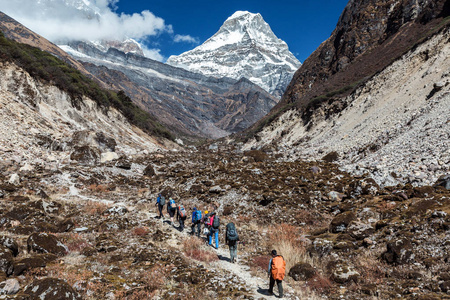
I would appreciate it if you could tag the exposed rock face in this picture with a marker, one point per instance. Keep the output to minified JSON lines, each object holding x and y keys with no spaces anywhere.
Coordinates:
{"x":393,"y":125}
{"x":244,"y":46}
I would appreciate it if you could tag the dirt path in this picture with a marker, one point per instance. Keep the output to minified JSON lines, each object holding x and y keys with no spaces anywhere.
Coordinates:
{"x":257,"y":285}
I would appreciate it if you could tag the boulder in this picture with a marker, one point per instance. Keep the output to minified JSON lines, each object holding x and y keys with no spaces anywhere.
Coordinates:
{"x":149,"y":171}
{"x":399,"y":252}
{"x":46,"y":243}
{"x":85,"y":154}
{"x":360,"y":230}
{"x":341,"y":221}
{"x":443,"y":181}
{"x":37,"y":261}
{"x":116,"y":210}
{"x":445,"y":286}
{"x":51,"y":289}
{"x":302,"y":271}
{"x":9,"y":243}
{"x":6,"y":261}
{"x":14,"y":179}
{"x":9,"y":287}
{"x":343,"y":272}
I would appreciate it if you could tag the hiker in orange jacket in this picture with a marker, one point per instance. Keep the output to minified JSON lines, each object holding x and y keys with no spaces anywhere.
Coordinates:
{"x":276,"y":272}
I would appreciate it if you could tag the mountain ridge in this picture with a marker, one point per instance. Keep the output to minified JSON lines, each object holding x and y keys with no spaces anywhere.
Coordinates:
{"x":244,"y":46}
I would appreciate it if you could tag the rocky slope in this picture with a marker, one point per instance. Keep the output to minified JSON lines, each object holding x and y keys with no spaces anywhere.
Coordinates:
{"x":95,"y":227}
{"x":394,"y":125}
{"x":244,"y":46}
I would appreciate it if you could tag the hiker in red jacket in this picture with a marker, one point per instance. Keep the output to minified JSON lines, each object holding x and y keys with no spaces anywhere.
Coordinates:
{"x":276,"y":272}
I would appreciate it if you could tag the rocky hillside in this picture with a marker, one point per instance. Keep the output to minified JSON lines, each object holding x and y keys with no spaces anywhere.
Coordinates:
{"x":92,"y":232}
{"x":244,"y":46}
{"x":377,"y":98}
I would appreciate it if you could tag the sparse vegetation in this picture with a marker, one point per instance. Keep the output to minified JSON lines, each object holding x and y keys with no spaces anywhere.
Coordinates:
{"x":47,"y":68}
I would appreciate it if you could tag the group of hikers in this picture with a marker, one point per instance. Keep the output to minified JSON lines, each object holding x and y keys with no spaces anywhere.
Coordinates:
{"x":211,"y":222}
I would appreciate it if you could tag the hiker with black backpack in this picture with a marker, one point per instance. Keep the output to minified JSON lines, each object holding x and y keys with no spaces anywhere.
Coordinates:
{"x":231,"y":239}
{"x":160,"y":202}
{"x":171,"y":209}
{"x":181,"y":216}
{"x":196,"y":221}
{"x":277,"y":271}
{"x":214,"y":223}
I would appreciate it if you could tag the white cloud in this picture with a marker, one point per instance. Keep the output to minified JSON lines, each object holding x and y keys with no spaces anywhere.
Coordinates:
{"x":61,"y":21}
{"x":186,"y":39}
{"x":153,"y":53}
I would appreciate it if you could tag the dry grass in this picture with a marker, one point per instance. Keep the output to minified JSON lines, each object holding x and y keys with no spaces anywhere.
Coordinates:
{"x":288,"y":242}
{"x":320,"y":284}
{"x":94,"y":208}
{"x":196,"y":249}
{"x":74,"y":241}
{"x":140,"y":231}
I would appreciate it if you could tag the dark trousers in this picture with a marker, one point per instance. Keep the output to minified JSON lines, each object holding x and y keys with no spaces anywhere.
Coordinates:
{"x":181,"y":220}
{"x":232,"y":245}
{"x":199,"y":226}
{"x":160,"y":208}
{"x":279,"y":284}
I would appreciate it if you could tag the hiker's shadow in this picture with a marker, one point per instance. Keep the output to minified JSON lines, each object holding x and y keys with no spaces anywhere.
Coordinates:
{"x":167,"y":222}
{"x":223,"y":258}
{"x":264,"y":292}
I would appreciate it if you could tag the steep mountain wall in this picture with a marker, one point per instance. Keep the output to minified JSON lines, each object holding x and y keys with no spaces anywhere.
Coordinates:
{"x":394,"y":126}
{"x":36,"y":118}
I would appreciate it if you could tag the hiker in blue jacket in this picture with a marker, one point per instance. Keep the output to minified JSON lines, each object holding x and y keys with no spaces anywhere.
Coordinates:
{"x":196,"y":221}
{"x":160,"y":202}
{"x":171,"y":209}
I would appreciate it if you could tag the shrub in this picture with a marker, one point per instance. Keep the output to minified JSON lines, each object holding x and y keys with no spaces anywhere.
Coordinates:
{"x":95,"y":207}
{"x":320,"y":283}
{"x":194,"y":248}
{"x":140,"y":231}
{"x":287,"y":240}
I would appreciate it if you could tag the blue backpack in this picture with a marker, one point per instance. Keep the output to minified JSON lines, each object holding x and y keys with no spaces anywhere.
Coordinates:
{"x":172,"y":204}
{"x":197,"y":215}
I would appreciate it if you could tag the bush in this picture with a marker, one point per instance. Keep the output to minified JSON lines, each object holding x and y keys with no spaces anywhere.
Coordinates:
{"x":194,"y":248}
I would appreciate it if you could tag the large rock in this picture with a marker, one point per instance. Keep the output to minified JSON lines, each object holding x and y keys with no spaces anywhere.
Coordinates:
{"x":443,"y":181}
{"x":341,"y":221}
{"x":46,"y":243}
{"x":302,"y":271}
{"x":37,"y":261}
{"x":85,"y":154}
{"x":9,"y":287}
{"x":399,"y":251}
{"x":342,"y":272}
{"x":9,"y":243}
{"x":51,"y":289}
{"x":6,"y":261}
{"x":360,"y":230}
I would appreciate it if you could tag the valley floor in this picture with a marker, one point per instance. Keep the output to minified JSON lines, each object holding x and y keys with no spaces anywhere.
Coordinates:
{"x":96,"y":228}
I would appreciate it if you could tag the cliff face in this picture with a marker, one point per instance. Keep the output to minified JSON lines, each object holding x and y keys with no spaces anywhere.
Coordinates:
{"x":369,"y":36}
{"x":376,"y":93}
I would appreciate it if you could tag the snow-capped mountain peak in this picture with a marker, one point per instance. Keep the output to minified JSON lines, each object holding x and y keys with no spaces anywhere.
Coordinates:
{"x":244,"y":46}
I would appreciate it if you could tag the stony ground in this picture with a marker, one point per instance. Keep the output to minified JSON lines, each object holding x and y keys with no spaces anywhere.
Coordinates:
{"x":90,"y":230}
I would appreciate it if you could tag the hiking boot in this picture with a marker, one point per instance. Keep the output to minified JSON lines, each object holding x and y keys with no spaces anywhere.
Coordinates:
{"x":270,"y":292}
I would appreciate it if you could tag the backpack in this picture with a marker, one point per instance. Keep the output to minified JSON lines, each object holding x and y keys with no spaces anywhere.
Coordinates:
{"x":197,"y":215}
{"x":182,"y":211}
{"x":278,"y":268}
{"x":172,"y":204}
{"x":231,"y":232}
{"x":215,"y":222}
{"x":162,"y":201}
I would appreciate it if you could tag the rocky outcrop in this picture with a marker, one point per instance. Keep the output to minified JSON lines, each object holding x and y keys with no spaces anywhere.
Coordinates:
{"x":51,"y":288}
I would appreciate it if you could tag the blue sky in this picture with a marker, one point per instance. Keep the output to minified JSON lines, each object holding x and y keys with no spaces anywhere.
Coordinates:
{"x":302,"y":24}
{"x":172,"y":27}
